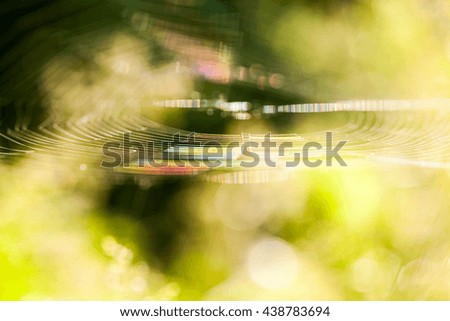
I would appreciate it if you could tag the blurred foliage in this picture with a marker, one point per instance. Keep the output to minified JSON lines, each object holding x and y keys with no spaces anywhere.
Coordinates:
{"x":358,"y":233}
{"x":350,"y":49}
{"x":372,"y":233}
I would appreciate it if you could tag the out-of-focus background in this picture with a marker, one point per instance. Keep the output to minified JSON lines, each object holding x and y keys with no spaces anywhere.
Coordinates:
{"x":71,"y":230}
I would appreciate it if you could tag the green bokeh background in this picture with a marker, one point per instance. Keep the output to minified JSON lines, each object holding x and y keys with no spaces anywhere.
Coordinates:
{"x":374,"y":232}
